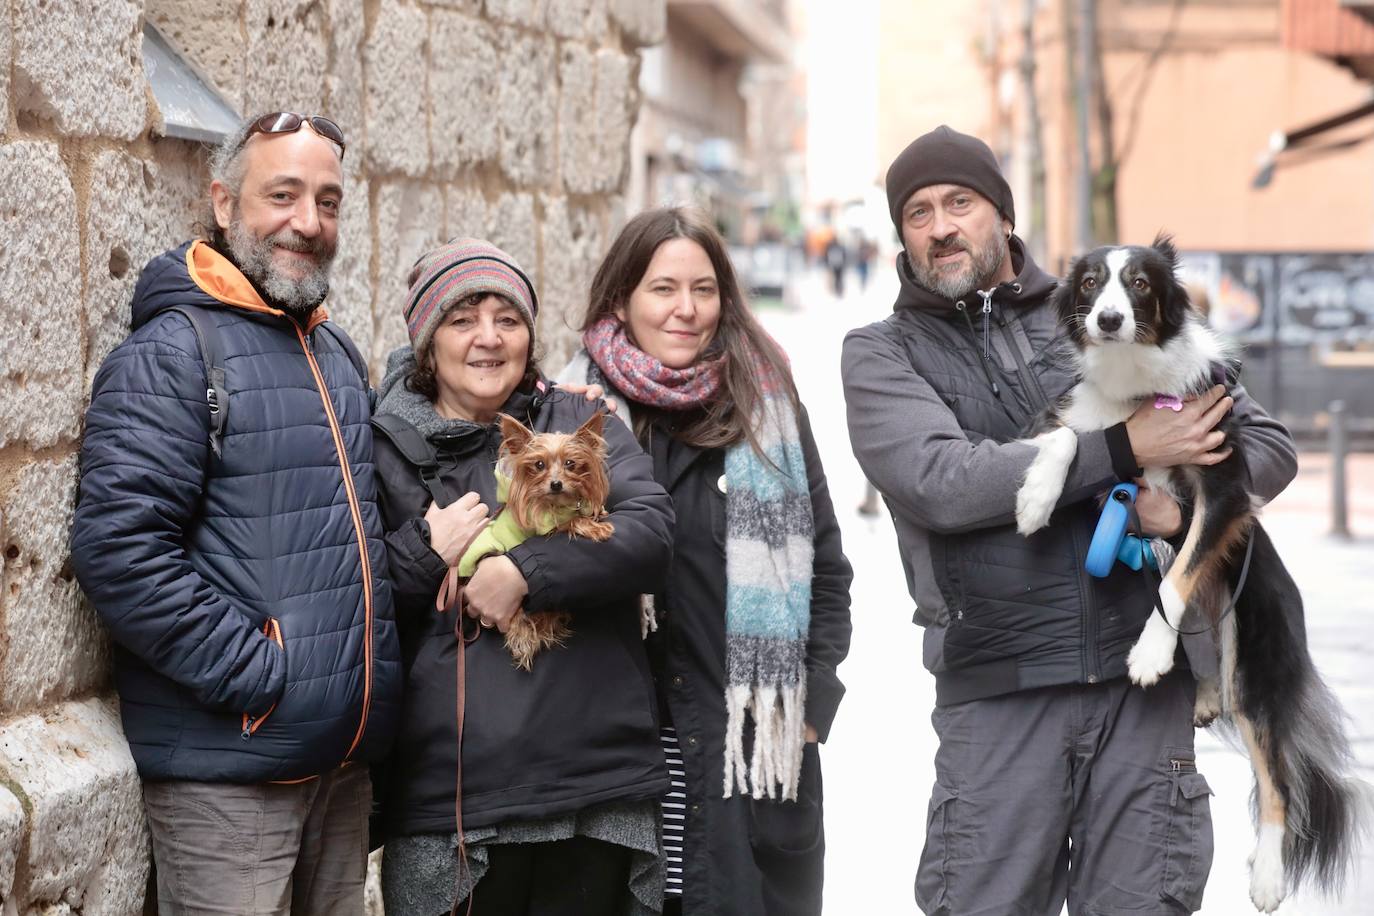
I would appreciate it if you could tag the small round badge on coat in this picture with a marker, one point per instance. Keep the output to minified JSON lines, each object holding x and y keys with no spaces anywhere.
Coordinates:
{"x":720,"y":484}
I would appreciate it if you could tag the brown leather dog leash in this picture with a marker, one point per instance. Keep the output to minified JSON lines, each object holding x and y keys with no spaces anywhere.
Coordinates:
{"x":449,"y":598}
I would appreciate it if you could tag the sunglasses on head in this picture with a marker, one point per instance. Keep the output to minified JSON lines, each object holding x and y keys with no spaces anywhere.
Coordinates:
{"x":288,"y":122}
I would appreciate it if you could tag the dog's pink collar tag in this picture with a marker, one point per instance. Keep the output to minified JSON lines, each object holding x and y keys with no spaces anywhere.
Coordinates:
{"x":1172,"y":402}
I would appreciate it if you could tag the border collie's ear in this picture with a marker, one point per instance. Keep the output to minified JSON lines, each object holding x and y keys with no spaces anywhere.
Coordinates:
{"x":1174,"y":305}
{"x":1063,"y":299}
{"x":1164,"y":244}
{"x":514,"y":435}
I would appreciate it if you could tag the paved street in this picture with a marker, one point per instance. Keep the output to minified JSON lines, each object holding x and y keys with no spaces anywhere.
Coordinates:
{"x":878,"y":762}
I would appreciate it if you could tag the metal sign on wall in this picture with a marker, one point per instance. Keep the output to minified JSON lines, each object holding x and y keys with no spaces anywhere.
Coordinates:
{"x":1289,"y":298}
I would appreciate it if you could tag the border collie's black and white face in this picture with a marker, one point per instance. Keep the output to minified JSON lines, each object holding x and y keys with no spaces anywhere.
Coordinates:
{"x":1128,"y":294}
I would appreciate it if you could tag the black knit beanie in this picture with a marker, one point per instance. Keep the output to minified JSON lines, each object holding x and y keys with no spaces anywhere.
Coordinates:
{"x":946,"y":156}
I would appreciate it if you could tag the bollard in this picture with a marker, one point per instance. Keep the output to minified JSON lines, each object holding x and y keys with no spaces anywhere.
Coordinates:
{"x":1336,"y":441}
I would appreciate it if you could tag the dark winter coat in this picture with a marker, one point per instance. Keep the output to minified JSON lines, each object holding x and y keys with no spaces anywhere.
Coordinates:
{"x":581,"y":728}
{"x":936,"y":395}
{"x":247,"y":592}
{"x":742,"y":857}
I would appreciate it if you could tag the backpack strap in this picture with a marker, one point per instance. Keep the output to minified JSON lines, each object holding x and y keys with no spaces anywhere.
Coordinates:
{"x":355,"y":356}
{"x":416,"y":449}
{"x":349,"y":347}
{"x":211,"y":354}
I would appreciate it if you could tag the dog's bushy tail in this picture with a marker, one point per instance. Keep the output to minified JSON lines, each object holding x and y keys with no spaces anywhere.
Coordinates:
{"x":1327,"y":808}
{"x":1300,"y":726}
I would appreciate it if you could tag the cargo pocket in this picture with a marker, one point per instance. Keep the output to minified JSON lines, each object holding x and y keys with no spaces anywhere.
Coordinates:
{"x":272,"y":630}
{"x":932,"y":875}
{"x":1188,"y":837}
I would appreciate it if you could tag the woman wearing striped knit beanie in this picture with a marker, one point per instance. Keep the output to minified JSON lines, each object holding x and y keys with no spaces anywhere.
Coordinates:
{"x":559,"y":767}
{"x":754,"y":617}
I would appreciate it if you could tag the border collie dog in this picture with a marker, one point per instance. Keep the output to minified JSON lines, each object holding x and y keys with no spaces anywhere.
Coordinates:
{"x":1138,"y":337}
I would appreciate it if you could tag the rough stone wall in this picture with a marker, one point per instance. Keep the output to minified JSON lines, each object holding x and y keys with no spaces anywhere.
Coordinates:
{"x":507,"y":119}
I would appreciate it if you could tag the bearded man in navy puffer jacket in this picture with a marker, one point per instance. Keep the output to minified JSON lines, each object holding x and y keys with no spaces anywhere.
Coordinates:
{"x":241,"y":570}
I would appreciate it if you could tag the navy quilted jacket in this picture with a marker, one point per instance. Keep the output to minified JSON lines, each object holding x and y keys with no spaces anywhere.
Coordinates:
{"x":247,"y":593}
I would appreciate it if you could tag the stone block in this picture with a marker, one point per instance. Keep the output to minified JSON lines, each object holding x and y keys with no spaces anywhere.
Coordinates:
{"x":577,"y":127}
{"x":578,"y":19}
{"x":617,"y":102}
{"x":573,"y":244}
{"x":40,"y":297}
{"x":594,"y":149}
{"x":286,"y":55}
{"x":465,"y":213}
{"x":642,"y":22}
{"x":344,"y":81}
{"x":350,"y":282}
{"x":526,"y":108}
{"x":512,"y":229}
{"x":79,"y":66}
{"x":394,"y":65}
{"x":137,"y":209}
{"x":12,"y":819}
{"x":6,"y":50}
{"x":462,"y":91}
{"x":88,"y":841}
{"x":196,"y":29}
{"x":409,"y":221}
{"x":472,"y":7}
{"x":528,"y":13}
{"x":52,"y":644}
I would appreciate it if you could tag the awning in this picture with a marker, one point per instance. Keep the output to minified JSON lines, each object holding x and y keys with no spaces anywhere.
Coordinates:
{"x":1302,"y":144}
{"x":191,"y":108}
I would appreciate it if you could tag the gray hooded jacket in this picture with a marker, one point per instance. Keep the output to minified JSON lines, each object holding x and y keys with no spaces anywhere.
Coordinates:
{"x":936,"y":394}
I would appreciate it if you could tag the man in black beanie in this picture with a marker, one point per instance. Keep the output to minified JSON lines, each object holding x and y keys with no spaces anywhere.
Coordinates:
{"x":1056,"y":778}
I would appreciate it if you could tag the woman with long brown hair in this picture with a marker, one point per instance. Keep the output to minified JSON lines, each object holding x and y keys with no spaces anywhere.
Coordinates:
{"x":745,"y":637}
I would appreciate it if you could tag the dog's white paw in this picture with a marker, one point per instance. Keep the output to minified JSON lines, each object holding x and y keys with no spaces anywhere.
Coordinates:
{"x":1033,"y":509}
{"x":1266,"y":869}
{"x":1044,"y":482}
{"x":1152,"y":656}
{"x":1207,"y":706}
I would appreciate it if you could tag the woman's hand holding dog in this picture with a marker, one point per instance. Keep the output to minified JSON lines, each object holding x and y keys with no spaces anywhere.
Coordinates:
{"x":453,"y":527}
{"x":495,"y":592}
{"x":1163,"y":438}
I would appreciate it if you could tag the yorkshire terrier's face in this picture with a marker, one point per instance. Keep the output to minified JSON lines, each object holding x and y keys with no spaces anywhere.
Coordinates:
{"x":554,"y":470}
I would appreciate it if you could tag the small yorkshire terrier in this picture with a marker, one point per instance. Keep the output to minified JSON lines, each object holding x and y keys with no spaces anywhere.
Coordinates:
{"x":548,"y":482}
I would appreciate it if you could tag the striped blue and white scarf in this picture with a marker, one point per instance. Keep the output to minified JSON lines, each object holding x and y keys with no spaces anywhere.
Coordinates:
{"x":769,"y":545}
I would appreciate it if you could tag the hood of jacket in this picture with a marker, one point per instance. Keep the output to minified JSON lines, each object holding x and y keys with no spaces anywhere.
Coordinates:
{"x":196,"y":274}
{"x":1030,"y":286}
{"x":395,"y":397}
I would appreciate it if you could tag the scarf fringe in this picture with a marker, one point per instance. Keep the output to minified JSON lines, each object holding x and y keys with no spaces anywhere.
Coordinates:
{"x":774,"y":768}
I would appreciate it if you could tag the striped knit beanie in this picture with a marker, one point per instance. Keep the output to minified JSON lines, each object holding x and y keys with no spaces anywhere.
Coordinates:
{"x":445,"y":276}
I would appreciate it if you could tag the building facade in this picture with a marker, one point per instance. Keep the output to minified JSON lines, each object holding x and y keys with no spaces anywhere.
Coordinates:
{"x":719,"y":120}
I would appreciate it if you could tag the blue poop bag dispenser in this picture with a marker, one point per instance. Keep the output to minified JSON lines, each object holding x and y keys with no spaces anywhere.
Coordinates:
{"x":1110,"y":541}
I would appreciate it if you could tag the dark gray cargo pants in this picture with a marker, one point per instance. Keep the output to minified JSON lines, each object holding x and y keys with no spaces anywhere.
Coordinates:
{"x":1087,"y":793}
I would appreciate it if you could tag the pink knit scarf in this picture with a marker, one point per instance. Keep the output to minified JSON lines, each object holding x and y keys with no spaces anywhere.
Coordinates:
{"x":644,"y":379}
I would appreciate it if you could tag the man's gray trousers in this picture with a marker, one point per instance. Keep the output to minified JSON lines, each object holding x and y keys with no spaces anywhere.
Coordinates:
{"x":1086,"y":793}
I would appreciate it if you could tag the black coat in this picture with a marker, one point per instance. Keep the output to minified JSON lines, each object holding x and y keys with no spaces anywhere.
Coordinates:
{"x":741,"y":857}
{"x":578,"y":730}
